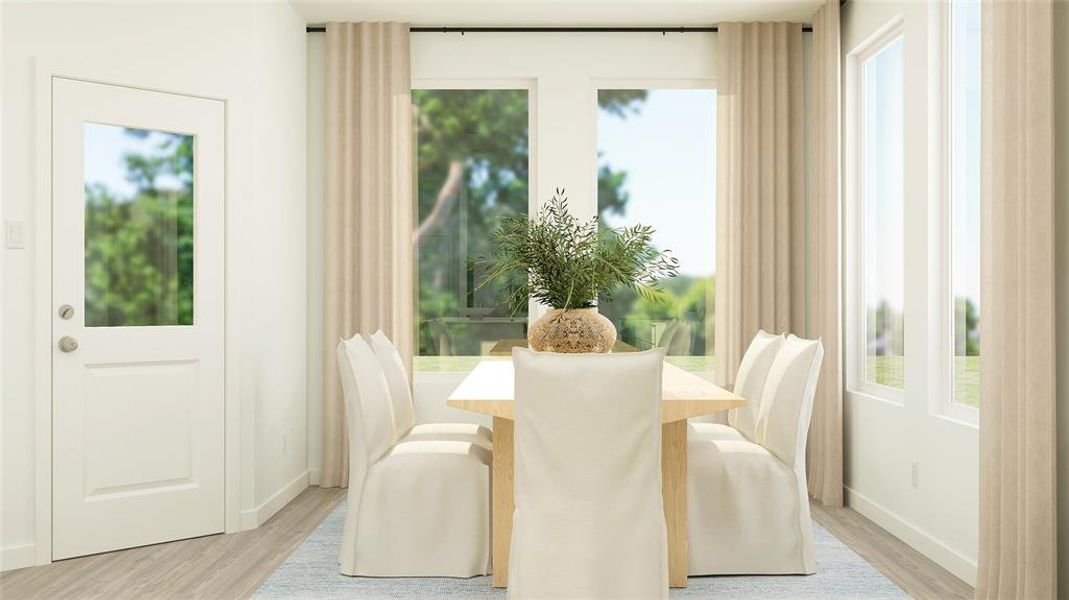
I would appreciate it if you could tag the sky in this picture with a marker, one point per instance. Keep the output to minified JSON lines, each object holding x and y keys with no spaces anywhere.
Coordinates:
{"x":669,"y":153}
{"x":882,"y":154}
{"x":105,"y":147}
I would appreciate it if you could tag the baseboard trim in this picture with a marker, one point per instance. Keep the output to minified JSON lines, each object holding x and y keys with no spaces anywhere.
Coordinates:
{"x":18,"y":557}
{"x":313,"y":476}
{"x":943,"y":555}
{"x":254,"y":517}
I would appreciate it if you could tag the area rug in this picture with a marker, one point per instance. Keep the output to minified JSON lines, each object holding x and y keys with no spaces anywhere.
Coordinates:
{"x":312,"y":572}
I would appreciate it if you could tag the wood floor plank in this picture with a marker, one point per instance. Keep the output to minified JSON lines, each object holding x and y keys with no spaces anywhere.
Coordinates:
{"x":225,"y":567}
{"x":916,"y":574}
{"x":219,"y":567}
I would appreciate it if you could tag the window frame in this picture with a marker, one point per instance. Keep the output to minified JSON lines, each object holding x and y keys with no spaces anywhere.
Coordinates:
{"x":941,"y":235}
{"x":854,"y":272}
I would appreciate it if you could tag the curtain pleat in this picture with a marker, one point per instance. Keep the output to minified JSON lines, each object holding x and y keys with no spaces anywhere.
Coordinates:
{"x":760,"y":187}
{"x":825,"y":448}
{"x":368,"y":212}
{"x":1018,"y":509}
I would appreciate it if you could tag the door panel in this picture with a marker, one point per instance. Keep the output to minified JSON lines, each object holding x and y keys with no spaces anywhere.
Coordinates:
{"x":138,"y":258}
{"x":150,"y":448}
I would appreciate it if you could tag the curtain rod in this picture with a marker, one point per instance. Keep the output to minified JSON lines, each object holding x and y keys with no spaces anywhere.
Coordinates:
{"x":463,"y":30}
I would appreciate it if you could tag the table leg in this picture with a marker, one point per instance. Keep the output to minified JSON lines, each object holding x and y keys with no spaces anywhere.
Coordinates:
{"x":503,"y":500}
{"x":674,"y":492}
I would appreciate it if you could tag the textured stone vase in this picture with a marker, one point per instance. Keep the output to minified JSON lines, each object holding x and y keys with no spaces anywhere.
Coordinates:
{"x":573,"y":330}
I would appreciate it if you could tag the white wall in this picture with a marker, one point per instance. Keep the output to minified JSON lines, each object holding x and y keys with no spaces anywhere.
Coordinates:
{"x":278,"y":247}
{"x":252,"y":55}
{"x":939,"y":516}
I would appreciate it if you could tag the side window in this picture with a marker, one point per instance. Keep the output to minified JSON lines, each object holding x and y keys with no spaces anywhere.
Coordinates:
{"x":881,"y":212}
{"x":963,"y":159}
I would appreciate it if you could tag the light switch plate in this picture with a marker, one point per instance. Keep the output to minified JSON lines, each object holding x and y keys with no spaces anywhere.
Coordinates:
{"x":15,"y":234}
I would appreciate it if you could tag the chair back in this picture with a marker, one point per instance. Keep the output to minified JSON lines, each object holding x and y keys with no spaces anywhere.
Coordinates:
{"x":373,"y":395}
{"x":358,"y":461}
{"x":354,"y":415}
{"x":787,"y":402}
{"x":589,"y":520}
{"x":393,"y":367}
{"x":751,"y":379}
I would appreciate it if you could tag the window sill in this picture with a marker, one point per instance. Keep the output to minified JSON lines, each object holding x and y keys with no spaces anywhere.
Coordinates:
{"x":890,"y":396}
{"x":959,"y":415}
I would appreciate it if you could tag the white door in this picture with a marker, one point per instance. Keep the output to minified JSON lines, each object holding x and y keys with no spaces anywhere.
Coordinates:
{"x":137,"y":304}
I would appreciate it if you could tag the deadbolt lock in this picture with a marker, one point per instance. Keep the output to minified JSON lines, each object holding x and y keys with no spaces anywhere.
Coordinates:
{"x":66,"y":311}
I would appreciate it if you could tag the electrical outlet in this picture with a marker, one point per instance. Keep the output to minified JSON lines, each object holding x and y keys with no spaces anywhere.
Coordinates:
{"x":915,"y":474}
{"x":15,"y":235}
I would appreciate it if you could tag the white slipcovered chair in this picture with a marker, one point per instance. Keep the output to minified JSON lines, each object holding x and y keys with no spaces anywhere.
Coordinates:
{"x":404,"y":413}
{"x":748,"y":504}
{"x":589,"y":521}
{"x":750,"y":384}
{"x":415,"y":507}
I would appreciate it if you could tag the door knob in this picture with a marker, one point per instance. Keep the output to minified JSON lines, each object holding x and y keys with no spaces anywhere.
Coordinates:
{"x":68,"y":344}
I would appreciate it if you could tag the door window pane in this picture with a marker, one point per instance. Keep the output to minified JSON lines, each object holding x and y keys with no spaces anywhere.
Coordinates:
{"x":965,"y":197}
{"x":472,"y":162}
{"x":657,"y":166}
{"x":882,"y":210}
{"x":138,"y":227}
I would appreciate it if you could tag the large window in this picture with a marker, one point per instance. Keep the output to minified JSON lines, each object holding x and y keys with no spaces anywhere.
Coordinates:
{"x":963,"y":74}
{"x":472,"y":162}
{"x":882,"y":296}
{"x":656,"y":166}
{"x":504,"y":120}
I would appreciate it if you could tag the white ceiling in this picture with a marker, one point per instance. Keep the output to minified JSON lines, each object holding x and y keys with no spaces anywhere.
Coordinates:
{"x":556,"y":12}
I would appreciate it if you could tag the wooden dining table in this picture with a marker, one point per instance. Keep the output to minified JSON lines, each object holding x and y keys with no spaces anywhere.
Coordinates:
{"x":489,"y":389}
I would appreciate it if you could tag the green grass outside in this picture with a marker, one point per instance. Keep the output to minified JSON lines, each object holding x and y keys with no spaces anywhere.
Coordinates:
{"x":886,"y":370}
{"x":967,"y":380}
{"x":890,"y":371}
{"x":694,"y":364}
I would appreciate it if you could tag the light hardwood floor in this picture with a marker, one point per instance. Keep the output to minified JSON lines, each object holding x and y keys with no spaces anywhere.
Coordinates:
{"x":216,"y":567}
{"x":915,"y":573}
{"x":223,"y":567}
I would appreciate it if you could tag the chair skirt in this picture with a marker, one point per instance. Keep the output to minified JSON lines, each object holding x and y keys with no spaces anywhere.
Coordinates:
{"x":424,"y":511}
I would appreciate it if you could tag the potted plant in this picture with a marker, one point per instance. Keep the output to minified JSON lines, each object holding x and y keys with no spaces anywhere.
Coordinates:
{"x":568,"y":265}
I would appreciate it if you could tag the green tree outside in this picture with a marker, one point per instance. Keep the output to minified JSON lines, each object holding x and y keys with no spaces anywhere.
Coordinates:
{"x":139,"y":249}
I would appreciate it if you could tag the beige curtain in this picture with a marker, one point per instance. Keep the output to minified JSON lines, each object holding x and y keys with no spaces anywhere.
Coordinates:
{"x":825,"y":448}
{"x":1018,"y":528}
{"x":760,"y":241}
{"x":368,"y":213}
